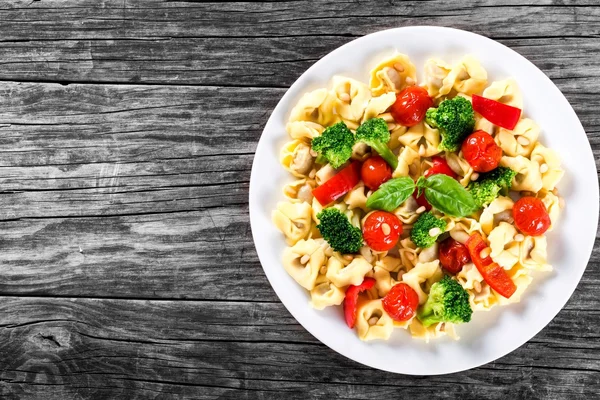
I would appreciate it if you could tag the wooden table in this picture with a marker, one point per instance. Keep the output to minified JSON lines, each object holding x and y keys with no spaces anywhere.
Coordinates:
{"x":127,"y":131}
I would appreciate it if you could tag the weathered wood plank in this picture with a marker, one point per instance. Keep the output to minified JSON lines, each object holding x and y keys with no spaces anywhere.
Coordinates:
{"x":94,"y":347}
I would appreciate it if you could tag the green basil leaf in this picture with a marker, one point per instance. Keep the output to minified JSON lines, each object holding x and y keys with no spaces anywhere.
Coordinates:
{"x":448,"y":196}
{"x":391,"y":194}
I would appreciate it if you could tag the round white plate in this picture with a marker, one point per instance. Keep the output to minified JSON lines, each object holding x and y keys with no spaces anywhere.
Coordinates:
{"x":489,"y":335}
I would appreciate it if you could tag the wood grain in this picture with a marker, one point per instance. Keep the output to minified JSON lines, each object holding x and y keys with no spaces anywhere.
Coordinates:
{"x":127,"y":134}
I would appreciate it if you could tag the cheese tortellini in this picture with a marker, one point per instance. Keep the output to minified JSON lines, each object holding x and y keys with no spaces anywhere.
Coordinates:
{"x":327,"y":275}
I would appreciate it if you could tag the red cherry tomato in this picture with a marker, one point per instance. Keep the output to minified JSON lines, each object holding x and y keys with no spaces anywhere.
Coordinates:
{"x":382,"y":230}
{"x":375,"y":171}
{"x":401,"y":302}
{"x":440,"y":166}
{"x":453,"y":255}
{"x":481,"y":152}
{"x":411,"y":105}
{"x":351,"y":300}
{"x":531,"y":216}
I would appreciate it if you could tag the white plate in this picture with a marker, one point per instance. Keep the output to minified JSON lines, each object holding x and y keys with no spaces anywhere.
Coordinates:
{"x":489,"y":335}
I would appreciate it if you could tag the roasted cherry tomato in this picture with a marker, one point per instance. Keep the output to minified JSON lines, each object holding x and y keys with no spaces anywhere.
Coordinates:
{"x":375,"y":171}
{"x":481,"y":152}
{"x":351,"y":300}
{"x":453,"y":255}
{"x":401,"y":302}
{"x":493,"y":274}
{"x":440,"y":166}
{"x":339,"y":185}
{"x":382,"y":230}
{"x":531,"y":216}
{"x":411,"y":105}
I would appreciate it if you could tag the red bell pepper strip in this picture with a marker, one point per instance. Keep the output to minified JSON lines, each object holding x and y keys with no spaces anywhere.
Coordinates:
{"x":497,"y":113}
{"x":351,"y":300}
{"x":493,"y":274}
{"x":339,"y":185}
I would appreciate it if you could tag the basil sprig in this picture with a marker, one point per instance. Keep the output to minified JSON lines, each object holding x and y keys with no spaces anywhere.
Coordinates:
{"x":391,"y":194}
{"x":447,"y":195}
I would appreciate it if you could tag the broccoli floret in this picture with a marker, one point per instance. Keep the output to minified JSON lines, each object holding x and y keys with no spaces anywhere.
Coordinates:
{"x":447,"y":302}
{"x":489,"y":185}
{"x":455,"y":120}
{"x":419,"y":233}
{"x":334,"y":145}
{"x":337,"y":230}
{"x":375,"y":133}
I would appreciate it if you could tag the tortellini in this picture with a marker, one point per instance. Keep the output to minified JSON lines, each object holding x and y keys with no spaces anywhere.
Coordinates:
{"x":296,"y":158}
{"x":316,"y":106}
{"x":293,"y":220}
{"x":533,"y":253}
{"x":436,"y":83}
{"x":505,"y":250}
{"x":468,"y":76}
{"x":528,"y":176}
{"x":352,"y":98}
{"x":304,"y":130}
{"x":429,"y":273}
{"x":409,"y":164}
{"x":392,"y":75}
{"x":379,"y":105}
{"x":372,"y":322}
{"x":326,"y":294}
{"x":303,"y":262}
{"x":498,"y":210}
{"x":421,"y":138}
{"x":521,"y":140}
{"x":549,"y":163}
{"x":460,"y":166}
{"x":357,"y":197}
{"x":300,"y":190}
{"x":351,"y":274}
{"x":506,"y":92}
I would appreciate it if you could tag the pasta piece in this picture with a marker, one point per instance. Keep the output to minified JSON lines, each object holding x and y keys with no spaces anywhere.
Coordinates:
{"x":505,"y":251}
{"x":436,"y":83}
{"x":372,"y":322}
{"x":429,"y":254}
{"x":461,"y":228}
{"x":360,"y":151}
{"x":521,"y":140}
{"x":422,"y":138}
{"x":392,"y":75}
{"x":389,"y":263}
{"x":480,"y":295}
{"x":357,"y":197}
{"x":468,"y":76}
{"x":552,"y":204}
{"x":528,"y":176}
{"x":352,"y":98}
{"x":325,"y":173}
{"x":295,"y":157}
{"x":325,"y":294}
{"x":408,"y":253}
{"x":304,"y":130}
{"x":506,"y":91}
{"x":440,"y":329}
{"x":316,"y":106}
{"x":521,"y":277}
{"x":408,"y":164}
{"x":352,"y":274}
{"x":407,"y":212}
{"x":498,"y":210}
{"x":379,"y":105}
{"x":303,"y":262}
{"x":482,"y":124}
{"x":533,"y":253}
{"x":549,"y":163}
{"x":421,"y":273}
{"x":383,"y":280}
{"x":300,"y":190}
{"x":293,"y":219}
{"x":460,"y":166}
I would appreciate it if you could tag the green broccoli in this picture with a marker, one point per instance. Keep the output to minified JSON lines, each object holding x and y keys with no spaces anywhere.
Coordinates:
{"x":489,"y":185}
{"x":455,"y":120}
{"x":447,"y":302}
{"x":334,"y":145}
{"x":337,"y":230}
{"x":375,"y":133}
{"x":420,"y":232}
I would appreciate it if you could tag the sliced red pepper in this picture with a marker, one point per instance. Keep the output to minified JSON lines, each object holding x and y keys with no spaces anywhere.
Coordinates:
{"x":351,"y":300}
{"x":440,"y":166}
{"x":497,"y":113}
{"x":493,"y":274}
{"x":339,"y":185}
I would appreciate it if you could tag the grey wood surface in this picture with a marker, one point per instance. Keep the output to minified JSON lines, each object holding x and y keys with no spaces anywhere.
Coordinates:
{"x":127,"y":132}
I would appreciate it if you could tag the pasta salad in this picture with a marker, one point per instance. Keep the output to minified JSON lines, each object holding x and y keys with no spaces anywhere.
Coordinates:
{"x":416,"y":203}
